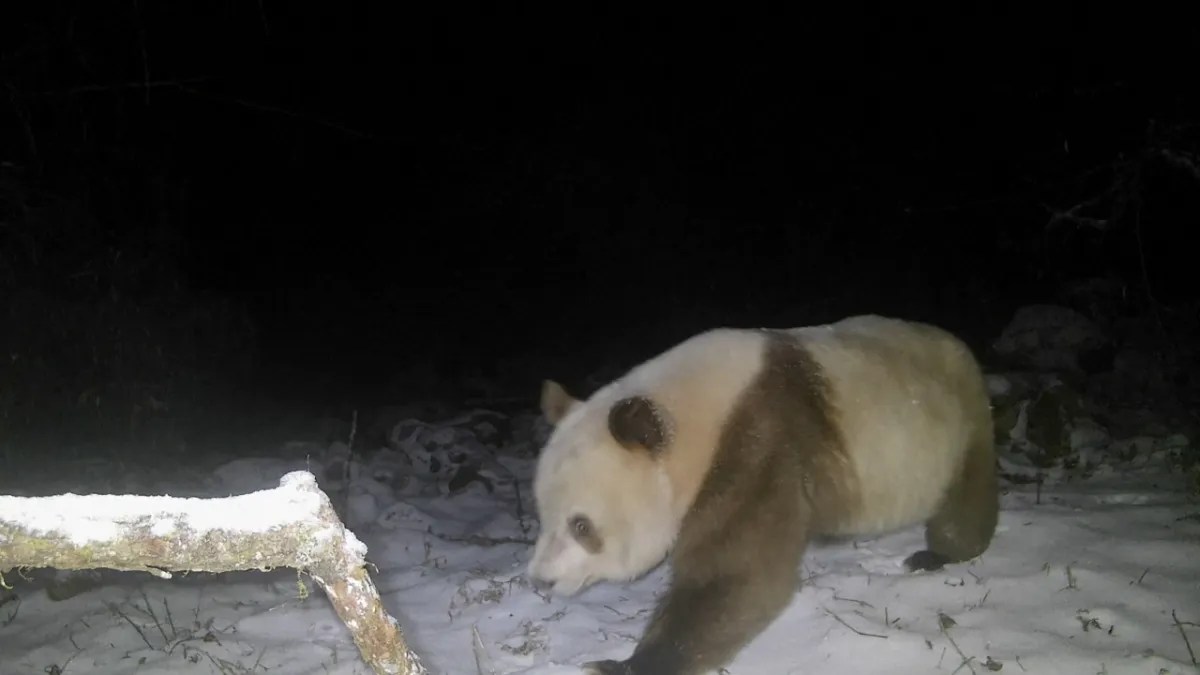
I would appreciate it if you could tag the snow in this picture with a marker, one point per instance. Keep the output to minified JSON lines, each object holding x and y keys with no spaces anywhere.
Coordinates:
{"x":1088,"y":573}
{"x":82,"y":519}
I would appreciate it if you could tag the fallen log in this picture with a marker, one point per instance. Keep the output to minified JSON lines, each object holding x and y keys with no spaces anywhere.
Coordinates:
{"x":293,"y":525}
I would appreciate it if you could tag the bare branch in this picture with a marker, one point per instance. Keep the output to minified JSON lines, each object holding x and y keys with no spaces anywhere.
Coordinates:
{"x":1181,"y":160}
{"x":857,"y":631}
{"x":1183,"y":634}
{"x":1072,"y":216}
{"x":112,"y":86}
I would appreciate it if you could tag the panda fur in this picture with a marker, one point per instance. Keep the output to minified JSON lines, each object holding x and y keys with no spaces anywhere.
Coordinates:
{"x":729,"y":451}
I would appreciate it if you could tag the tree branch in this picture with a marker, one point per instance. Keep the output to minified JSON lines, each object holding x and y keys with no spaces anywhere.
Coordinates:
{"x":293,"y":525}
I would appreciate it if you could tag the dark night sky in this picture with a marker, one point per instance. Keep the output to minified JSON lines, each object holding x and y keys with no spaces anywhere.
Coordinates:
{"x":394,"y":182}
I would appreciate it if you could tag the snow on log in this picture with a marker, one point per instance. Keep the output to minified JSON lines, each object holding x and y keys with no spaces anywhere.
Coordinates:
{"x":293,"y":525}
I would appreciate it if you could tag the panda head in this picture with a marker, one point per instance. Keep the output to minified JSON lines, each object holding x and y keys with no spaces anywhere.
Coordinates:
{"x":604,"y":499}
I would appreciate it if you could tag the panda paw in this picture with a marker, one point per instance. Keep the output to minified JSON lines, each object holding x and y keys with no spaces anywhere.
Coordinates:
{"x":608,"y":667}
{"x":925,"y":561}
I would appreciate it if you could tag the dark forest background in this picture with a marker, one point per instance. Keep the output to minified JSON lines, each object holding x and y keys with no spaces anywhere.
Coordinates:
{"x":211,"y":208}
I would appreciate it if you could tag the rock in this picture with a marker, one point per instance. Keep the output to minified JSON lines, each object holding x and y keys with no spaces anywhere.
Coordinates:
{"x":1051,"y":338}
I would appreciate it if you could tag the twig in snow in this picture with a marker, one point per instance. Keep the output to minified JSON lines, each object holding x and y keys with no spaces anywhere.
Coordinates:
{"x":170,"y":621}
{"x":625,"y":615}
{"x":843,"y":622}
{"x":480,"y":652}
{"x":223,"y":666}
{"x":1070,"y":581}
{"x":1183,"y":634}
{"x":118,"y":612}
{"x":980,"y":603}
{"x":943,"y":622}
{"x":150,"y":611}
{"x":67,"y":664}
{"x":859,"y":602}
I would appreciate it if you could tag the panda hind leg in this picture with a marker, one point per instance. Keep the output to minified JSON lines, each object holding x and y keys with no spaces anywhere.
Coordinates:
{"x":964,"y":523}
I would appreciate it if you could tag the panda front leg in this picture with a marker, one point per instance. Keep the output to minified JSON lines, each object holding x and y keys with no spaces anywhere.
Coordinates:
{"x":703,"y":622}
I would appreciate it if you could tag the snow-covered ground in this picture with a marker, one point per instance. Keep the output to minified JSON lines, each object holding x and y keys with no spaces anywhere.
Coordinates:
{"x":1087,"y":574}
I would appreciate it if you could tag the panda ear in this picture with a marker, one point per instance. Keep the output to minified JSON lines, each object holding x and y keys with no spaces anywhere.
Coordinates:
{"x":637,"y":422}
{"x":556,"y":402}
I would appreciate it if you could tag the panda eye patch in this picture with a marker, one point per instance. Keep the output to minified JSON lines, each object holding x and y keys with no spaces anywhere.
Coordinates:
{"x":580,"y":526}
{"x":584,"y":532}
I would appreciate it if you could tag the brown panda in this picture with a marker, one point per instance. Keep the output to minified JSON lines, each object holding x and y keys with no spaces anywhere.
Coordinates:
{"x":733,"y":448}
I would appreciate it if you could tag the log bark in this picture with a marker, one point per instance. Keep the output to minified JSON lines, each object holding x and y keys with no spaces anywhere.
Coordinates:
{"x":293,"y":525}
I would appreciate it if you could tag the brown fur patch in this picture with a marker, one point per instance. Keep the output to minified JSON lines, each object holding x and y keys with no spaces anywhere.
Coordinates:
{"x":638,"y":423}
{"x":736,"y":559}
